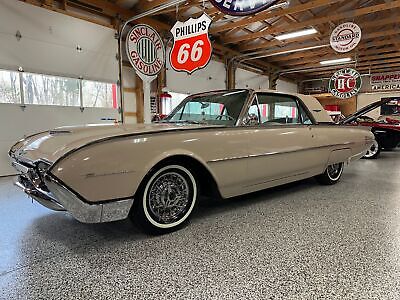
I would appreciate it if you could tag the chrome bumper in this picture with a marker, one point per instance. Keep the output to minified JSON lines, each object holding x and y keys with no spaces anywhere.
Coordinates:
{"x":51,"y":193}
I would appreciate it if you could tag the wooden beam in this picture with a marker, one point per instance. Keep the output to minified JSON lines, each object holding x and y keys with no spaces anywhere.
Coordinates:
{"x":362,"y":49}
{"x":139,"y":99}
{"x":271,"y":14}
{"x":366,"y":27}
{"x":339,"y":16}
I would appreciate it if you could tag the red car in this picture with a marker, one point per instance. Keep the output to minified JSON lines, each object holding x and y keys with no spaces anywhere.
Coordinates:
{"x":387,"y":134}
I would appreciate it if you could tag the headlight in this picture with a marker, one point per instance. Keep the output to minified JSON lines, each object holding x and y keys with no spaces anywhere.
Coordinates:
{"x":42,"y":166}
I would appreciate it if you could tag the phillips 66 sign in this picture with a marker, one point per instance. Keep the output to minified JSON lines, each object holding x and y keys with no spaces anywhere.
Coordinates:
{"x":345,"y":83}
{"x":192,"y":47}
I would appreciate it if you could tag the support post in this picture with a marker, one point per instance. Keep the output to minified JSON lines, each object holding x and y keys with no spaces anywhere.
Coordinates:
{"x":273,"y":79}
{"x":139,"y":99}
{"x":230,"y":67}
{"x":147,"y":103}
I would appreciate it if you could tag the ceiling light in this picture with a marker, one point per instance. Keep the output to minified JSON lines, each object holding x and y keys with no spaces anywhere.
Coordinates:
{"x":295,"y":34}
{"x":335,"y":61}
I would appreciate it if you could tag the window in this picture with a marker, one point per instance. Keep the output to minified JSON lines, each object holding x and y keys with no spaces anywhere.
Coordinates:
{"x":50,"y":90}
{"x":274,"y":109}
{"x":9,"y":87}
{"x":98,"y":94}
{"x":169,"y":104}
{"x":305,"y":117}
{"x":222,"y":108}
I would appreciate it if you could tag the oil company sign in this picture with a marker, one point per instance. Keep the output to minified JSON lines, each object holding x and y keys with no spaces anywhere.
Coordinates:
{"x":192,"y":47}
{"x":385,"y":81}
{"x":145,"y":50}
{"x":345,"y":83}
{"x":345,"y":37}
{"x":242,"y":7}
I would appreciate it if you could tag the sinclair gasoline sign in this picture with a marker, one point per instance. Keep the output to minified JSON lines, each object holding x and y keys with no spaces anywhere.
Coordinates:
{"x":145,"y":50}
{"x":242,"y":7}
{"x":345,"y":83}
{"x":345,"y":37}
{"x":192,"y":47}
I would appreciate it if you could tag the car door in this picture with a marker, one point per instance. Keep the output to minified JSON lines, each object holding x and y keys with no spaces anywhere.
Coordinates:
{"x":281,"y":141}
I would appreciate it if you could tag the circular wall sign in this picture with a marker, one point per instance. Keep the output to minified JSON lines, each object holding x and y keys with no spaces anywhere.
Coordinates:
{"x":345,"y":37}
{"x":145,"y":50}
{"x":345,"y":83}
{"x":242,"y":8}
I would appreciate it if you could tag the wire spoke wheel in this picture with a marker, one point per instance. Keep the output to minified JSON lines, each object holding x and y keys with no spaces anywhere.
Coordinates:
{"x":169,"y":197}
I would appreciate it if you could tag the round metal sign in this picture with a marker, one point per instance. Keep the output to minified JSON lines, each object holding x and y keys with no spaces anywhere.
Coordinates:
{"x":241,"y":7}
{"x":145,"y":50}
{"x":345,"y":83}
{"x":345,"y":37}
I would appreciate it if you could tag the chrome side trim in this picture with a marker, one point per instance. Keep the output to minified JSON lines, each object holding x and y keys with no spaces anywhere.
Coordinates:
{"x":281,"y":178}
{"x":278,"y":153}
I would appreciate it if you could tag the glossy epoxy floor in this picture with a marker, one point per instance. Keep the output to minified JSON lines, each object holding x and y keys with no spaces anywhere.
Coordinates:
{"x":300,"y":241}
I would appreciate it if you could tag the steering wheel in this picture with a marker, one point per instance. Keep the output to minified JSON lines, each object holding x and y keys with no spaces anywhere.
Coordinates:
{"x":228,"y":117}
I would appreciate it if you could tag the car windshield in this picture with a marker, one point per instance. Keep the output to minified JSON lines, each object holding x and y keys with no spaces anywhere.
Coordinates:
{"x":216,"y":108}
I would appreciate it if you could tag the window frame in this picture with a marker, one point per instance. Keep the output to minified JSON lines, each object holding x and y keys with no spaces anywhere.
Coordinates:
{"x":299,"y":104}
{"x":23,"y":103}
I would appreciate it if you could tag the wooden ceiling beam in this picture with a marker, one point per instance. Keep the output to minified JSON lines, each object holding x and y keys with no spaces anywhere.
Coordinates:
{"x":270,"y":14}
{"x":362,"y":56}
{"x":362,"y":50}
{"x":377,"y":25}
{"x":329,"y":72}
{"x":339,"y":16}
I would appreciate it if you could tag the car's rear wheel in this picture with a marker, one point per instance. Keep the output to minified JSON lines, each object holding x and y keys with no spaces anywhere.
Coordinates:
{"x":373,"y":152}
{"x":331,"y":175}
{"x":166,"y":199}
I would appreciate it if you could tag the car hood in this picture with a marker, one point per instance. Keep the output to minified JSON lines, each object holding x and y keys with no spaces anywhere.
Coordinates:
{"x":364,"y":110}
{"x":53,"y":144}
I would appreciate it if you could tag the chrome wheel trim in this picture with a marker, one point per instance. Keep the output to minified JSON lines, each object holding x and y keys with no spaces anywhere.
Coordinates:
{"x":151,"y":183}
{"x":372,"y":150}
{"x":334,"y":171}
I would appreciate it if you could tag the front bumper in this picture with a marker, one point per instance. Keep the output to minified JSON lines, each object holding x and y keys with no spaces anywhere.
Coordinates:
{"x":46,"y":189}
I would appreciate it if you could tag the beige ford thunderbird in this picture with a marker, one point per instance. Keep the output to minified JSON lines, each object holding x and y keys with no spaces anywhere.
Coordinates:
{"x":223,"y":143}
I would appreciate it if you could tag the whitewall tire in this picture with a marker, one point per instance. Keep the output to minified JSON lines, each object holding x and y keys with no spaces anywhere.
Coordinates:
{"x":166,"y":200}
{"x":332,"y":174}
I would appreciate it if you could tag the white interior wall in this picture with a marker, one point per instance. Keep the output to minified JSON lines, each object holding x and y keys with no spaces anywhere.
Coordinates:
{"x":210,"y":78}
{"x":48,"y":45}
{"x":17,"y":123}
{"x":286,"y":86}
{"x":367,"y":96}
{"x":49,"y":40}
{"x":364,"y":99}
{"x":213,"y":77}
{"x":251,"y":80}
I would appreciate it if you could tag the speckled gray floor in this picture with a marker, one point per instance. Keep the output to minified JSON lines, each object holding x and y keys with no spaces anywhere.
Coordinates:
{"x":300,"y":241}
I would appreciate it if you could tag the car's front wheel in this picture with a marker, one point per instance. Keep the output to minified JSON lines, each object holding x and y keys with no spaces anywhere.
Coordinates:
{"x":331,"y":175}
{"x":373,"y":151}
{"x":166,"y":199}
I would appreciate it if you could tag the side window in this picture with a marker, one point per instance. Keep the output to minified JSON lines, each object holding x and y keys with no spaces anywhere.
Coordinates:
{"x":253,"y":115}
{"x":305,"y":117}
{"x":276,"y":109}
